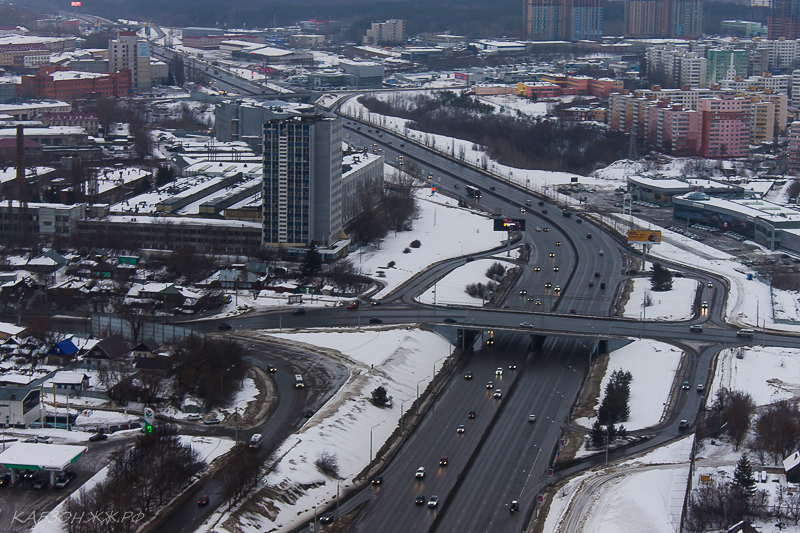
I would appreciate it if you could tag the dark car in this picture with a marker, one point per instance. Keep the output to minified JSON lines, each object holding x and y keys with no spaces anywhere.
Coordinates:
{"x":471,"y":414}
{"x":5,"y":478}
{"x":299,"y":311}
{"x":272,"y":368}
{"x":203,"y":500}
{"x":443,"y":460}
{"x":39,"y":484}
{"x":544,"y":211}
{"x":376,"y":302}
{"x":468,"y":375}
{"x":541,"y":203}
{"x":98,"y":437}
{"x":326,"y":518}
{"x":309,"y":413}
{"x":450,"y":320}
{"x":420,"y":500}
{"x":377,"y":480}
{"x":375,"y":320}
{"x":224,"y":327}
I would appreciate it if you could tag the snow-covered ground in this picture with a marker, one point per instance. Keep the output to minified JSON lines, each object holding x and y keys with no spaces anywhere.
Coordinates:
{"x":397,"y":359}
{"x":509,"y":104}
{"x":786,"y":305}
{"x":653,"y":365}
{"x":644,"y":494}
{"x":243,"y":398}
{"x":450,"y":290}
{"x":769,"y":374}
{"x":444,"y":231}
{"x":675,"y":304}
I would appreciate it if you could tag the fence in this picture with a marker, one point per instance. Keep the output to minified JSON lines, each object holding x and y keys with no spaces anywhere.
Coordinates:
{"x":158,"y":331}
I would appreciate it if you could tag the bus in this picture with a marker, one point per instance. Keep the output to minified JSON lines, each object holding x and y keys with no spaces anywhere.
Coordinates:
{"x":298,"y":381}
{"x":473,"y":192}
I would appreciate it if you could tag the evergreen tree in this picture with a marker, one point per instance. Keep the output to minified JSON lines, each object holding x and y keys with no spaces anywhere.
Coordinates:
{"x":598,"y":434}
{"x":611,"y":433}
{"x":661,"y":279}
{"x":743,"y":476}
{"x":312,"y":262}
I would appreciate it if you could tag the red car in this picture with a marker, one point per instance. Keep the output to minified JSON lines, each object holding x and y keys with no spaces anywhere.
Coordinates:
{"x":203,"y":501}
{"x":353,"y":306}
{"x":544,"y":211}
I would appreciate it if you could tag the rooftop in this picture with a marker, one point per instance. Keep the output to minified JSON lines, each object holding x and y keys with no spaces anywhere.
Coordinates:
{"x":41,"y":456}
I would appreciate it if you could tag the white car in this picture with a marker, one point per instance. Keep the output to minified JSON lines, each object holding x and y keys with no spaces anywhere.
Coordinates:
{"x":194,"y":417}
{"x":602,"y":252}
{"x":531,"y":418}
{"x":525,"y":325}
{"x":497,"y":393}
{"x":498,"y":372}
{"x":420,"y":473}
{"x":433,"y":502}
{"x":43,"y":439}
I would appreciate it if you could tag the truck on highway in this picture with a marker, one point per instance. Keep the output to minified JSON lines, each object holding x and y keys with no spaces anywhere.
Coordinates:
{"x":473,"y":192}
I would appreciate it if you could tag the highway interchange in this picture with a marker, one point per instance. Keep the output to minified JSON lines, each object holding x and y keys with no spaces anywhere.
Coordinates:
{"x":502,"y":457}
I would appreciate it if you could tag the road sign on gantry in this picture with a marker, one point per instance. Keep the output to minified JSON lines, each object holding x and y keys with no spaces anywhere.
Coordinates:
{"x":645,"y":236}
{"x":509,"y":224}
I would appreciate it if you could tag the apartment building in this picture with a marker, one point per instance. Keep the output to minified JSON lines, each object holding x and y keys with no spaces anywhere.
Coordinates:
{"x":725,"y":126}
{"x":128,"y":52}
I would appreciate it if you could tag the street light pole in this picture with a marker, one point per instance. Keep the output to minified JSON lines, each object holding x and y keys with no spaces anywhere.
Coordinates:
{"x":370,"y":439}
{"x":401,"y":413}
{"x":418,"y":382}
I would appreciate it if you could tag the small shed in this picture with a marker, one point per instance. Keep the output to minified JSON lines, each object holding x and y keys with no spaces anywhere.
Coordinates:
{"x":146,"y":349}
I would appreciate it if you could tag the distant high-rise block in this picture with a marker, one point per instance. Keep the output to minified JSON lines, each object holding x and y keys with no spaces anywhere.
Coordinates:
{"x":663,"y":18}
{"x":563,"y":20}
{"x":784,"y":19}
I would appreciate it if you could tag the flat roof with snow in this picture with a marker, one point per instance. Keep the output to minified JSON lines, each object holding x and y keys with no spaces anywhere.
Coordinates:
{"x":34,"y":456}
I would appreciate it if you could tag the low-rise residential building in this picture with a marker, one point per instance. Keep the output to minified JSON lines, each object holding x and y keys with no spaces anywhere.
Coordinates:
{"x":19,"y":406}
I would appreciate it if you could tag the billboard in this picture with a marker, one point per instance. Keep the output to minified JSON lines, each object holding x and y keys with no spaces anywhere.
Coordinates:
{"x":75,"y":4}
{"x":646,"y":236}
{"x":509,"y":224}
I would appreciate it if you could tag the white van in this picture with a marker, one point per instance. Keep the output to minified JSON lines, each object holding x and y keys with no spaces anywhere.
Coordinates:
{"x":255,"y":440}
{"x":747,"y":332}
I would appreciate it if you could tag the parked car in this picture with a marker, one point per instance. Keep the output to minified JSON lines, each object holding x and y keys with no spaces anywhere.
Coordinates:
{"x":44,"y":439}
{"x":211,"y":421}
{"x":5,"y":478}
{"x":39,"y":484}
{"x":98,"y":437}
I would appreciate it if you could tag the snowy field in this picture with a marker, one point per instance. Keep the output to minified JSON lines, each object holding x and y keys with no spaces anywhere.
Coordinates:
{"x":509,"y":104}
{"x":769,"y":374}
{"x":666,"y":305}
{"x":394,"y":358}
{"x":450,"y":290}
{"x":644,"y":494}
{"x":653,"y":365}
{"x":243,"y":398}
{"x":444,"y":231}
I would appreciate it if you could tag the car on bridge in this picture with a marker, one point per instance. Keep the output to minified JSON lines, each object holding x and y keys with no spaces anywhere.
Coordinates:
{"x":525,"y":325}
{"x":450,"y":320}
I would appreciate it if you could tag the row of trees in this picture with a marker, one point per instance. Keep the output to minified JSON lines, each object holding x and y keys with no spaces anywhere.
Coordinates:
{"x":140,"y":480}
{"x":392,"y":207}
{"x":521,"y":142}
